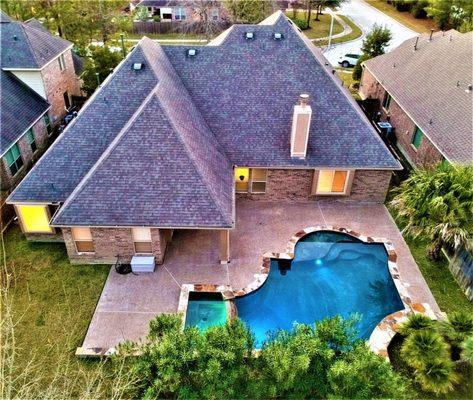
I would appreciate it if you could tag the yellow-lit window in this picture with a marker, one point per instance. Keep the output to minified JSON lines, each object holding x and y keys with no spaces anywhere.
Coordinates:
{"x":83,"y":239}
{"x":330,"y":181}
{"x":34,"y":218}
{"x":258,"y":181}
{"x":242,"y":177}
{"x":142,"y":240}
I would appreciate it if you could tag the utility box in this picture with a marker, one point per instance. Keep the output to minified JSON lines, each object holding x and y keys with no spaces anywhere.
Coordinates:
{"x":142,"y":264}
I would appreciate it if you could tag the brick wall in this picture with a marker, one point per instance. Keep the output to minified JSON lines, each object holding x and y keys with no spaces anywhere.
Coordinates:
{"x":404,"y":127}
{"x":293,"y":185}
{"x":56,"y":82}
{"x":110,"y":242}
{"x":42,"y":140}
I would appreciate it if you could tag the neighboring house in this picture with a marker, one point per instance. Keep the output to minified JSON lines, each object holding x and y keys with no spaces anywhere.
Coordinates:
{"x":36,"y":72}
{"x":424,"y":89}
{"x":175,"y":135}
{"x":175,"y":10}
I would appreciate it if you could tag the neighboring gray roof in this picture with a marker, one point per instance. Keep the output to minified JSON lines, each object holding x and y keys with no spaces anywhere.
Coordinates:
{"x":429,"y":84}
{"x":164,"y":169}
{"x":20,"y":107}
{"x":246,"y":91}
{"x":26,"y":45}
{"x":160,"y":3}
{"x":162,"y":140}
{"x":79,"y":63}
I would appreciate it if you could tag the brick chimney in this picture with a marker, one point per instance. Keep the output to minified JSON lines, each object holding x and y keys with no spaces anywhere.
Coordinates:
{"x":300,"y":127}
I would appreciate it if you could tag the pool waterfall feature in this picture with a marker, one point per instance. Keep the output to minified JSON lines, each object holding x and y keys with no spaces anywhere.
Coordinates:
{"x":334,"y":250}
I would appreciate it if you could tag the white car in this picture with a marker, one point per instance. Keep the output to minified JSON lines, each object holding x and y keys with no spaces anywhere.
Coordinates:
{"x":348,"y":60}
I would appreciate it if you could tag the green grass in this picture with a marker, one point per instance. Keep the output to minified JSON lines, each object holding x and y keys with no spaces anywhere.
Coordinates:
{"x":443,"y":286}
{"x":318,"y":29}
{"x":347,"y":80}
{"x":51,"y":302}
{"x":353,"y":35}
{"x":419,"y":25}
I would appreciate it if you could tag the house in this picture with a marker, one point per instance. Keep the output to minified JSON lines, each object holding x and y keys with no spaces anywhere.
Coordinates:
{"x":37,"y":82}
{"x":176,"y":134}
{"x":178,"y":10}
{"x":424,"y":89}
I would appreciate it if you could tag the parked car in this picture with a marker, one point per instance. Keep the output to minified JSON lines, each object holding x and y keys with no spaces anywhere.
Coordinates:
{"x":348,"y":60}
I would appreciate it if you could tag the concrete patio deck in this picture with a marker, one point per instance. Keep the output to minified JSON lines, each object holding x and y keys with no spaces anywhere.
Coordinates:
{"x":129,"y":302}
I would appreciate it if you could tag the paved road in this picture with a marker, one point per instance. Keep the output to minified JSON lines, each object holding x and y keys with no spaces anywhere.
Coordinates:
{"x":365,"y":16}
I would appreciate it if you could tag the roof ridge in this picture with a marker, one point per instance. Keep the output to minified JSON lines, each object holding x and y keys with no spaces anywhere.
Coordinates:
{"x":189,"y":153}
{"x":30,"y":46}
{"x":107,"y":151}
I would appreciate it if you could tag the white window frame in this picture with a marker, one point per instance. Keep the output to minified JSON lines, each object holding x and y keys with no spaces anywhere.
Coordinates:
{"x":250,"y":181}
{"x":180,"y":14}
{"x":346,"y":185}
{"x":62,"y":62}
{"x":150,"y":241}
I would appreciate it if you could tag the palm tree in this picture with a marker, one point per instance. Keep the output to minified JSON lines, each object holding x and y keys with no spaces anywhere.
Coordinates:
{"x":416,"y":322}
{"x":437,"y":376}
{"x":424,"y":347}
{"x":467,"y":347}
{"x":438,"y":204}
{"x":458,"y":327}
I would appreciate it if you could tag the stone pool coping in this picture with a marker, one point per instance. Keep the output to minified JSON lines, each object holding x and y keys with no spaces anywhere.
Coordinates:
{"x":383,"y":333}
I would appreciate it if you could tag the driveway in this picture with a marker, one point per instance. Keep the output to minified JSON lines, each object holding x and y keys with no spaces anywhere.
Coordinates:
{"x":365,"y":16}
{"x":129,"y":302}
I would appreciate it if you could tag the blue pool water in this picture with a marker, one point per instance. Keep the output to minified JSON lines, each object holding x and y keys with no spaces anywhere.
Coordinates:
{"x":205,"y":310}
{"x":332,"y":273}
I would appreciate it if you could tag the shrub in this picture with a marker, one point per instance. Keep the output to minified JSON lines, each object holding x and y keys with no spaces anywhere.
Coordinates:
{"x":358,"y":70}
{"x":457,"y":328}
{"x":416,"y":322}
{"x":467,"y":347}
{"x":418,"y":9}
{"x":157,"y":18}
{"x":300,"y":23}
{"x":437,"y":376}
{"x":424,"y":347}
{"x":361,"y":374}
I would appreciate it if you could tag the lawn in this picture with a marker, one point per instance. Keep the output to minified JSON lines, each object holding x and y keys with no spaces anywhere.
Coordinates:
{"x":420,"y":25}
{"x":347,"y":81}
{"x":51,"y":303}
{"x":318,"y":29}
{"x":354,"y":34}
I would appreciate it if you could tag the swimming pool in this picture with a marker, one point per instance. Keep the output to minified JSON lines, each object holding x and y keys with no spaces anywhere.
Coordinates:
{"x":331,"y":273}
{"x":205,"y":310}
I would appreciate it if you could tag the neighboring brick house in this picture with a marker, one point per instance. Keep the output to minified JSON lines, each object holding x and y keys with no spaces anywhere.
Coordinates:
{"x":424,"y":89}
{"x":255,"y":114}
{"x":180,"y":10}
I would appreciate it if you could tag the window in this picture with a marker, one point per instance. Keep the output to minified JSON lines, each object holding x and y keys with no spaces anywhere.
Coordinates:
{"x":62,"y":62}
{"x":242,"y":177}
{"x":31,"y":140}
{"x":34,"y":218}
{"x":332,"y":182}
{"x":142,"y":240}
{"x":215,"y":14}
{"x":13,"y":159}
{"x":258,"y":181}
{"x":67,"y":100}
{"x":47,"y":123}
{"x":417,"y":137}
{"x":180,"y":14}
{"x":386,"y":101}
{"x":83,"y":240}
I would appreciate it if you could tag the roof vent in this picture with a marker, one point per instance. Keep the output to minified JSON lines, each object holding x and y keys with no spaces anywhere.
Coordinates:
{"x":15,"y":38}
{"x":249,"y":35}
{"x":137,"y":66}
{"x":191,"y":52}
{"x":469,"y":88}
{"x":278,"y":36}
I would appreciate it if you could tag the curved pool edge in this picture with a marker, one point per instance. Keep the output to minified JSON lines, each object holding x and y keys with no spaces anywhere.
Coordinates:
{"x":384,"y":331}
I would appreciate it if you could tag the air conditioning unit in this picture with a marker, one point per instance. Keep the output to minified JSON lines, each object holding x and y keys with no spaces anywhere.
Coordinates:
{"x":142,"y":264}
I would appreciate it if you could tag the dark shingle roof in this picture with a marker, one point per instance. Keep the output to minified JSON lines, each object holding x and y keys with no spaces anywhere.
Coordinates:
{"x":246,"y":90}
{"x":162,"y":140}
{"x":168,"y":142}
{"x":429,"y":84}
{"x":26,"y":45}
{"x":20,"y":107}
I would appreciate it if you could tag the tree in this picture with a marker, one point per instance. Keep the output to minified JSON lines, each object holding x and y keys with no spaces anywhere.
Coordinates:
{"x":358,"y":69}
{"x":362,"y":374}
{"x":423,"y":347}
{"x":376,"y":40}
{"x":437,"y":376}
{"x":416,"y":322}
{"x":101,"y":61}
{"x":203,"y":23}
{"x":319,"y":5}
{"x":249,"y":11}
{"x":451,"y":13}
{"x":438,"y":204}
{"x":457,"y":328}
{"x":141,"y":13}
